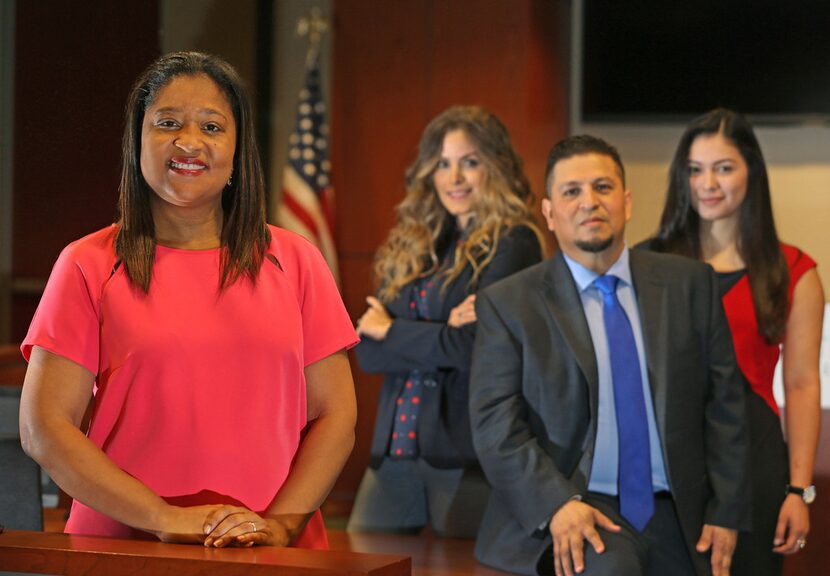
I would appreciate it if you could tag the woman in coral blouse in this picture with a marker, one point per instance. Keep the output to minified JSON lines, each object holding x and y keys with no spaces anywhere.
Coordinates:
{"x":464,"y":223}
{"x":718,"y":210}
{"x":210,"y":345}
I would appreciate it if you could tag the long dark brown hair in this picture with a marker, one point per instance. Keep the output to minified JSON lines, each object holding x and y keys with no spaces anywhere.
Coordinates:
{"x":505,"y":201}
{"x":245,"y":236}
{"x":757,"y":241}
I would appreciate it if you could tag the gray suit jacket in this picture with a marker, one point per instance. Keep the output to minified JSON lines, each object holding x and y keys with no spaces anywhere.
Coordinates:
{"x":533,"y":401}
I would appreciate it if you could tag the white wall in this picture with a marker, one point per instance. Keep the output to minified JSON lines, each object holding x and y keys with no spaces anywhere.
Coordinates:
{"x":778,"y":383}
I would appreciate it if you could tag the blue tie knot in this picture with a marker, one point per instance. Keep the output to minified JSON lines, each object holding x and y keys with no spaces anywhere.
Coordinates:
{"x":607,"y":284}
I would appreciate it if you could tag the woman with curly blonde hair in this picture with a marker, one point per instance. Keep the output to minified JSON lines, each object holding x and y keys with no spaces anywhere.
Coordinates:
{"x":465,"y":222}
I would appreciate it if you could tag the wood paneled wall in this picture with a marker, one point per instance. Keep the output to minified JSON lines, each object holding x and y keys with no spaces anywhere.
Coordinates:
{"x":397,"y":64}
{"x":74,"y":65}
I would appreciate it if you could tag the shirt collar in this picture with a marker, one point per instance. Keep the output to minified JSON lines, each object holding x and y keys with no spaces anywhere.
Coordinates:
{"x":584,"y":277}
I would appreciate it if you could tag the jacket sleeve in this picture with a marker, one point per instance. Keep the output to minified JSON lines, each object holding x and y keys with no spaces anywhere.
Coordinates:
{"x":516,"y":464}
{"x":434,"y":345}
{"x":726,"y":433}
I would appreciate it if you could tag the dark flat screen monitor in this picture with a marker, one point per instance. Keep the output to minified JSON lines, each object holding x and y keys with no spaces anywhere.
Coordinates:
{"x":668,"y":60}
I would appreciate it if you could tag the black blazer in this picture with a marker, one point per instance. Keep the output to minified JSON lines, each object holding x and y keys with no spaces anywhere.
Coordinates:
{"x":444,"y":438}
{"x":533,"y":401}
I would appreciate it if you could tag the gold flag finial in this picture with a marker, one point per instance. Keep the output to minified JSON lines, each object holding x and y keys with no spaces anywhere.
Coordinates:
{"x":313,"y":26}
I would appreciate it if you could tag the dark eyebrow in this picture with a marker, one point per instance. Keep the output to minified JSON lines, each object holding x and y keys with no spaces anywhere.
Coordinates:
{"x":173,"y":109}
{"x":716,"y":162}
{"x":465,"y":156}
{"x":569,"y":184}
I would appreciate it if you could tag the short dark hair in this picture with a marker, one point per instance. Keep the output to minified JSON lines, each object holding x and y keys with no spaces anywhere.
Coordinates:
{"x":245,"y":234}
{"x":580,"y":145}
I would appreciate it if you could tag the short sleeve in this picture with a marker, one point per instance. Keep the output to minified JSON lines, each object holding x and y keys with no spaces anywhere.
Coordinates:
{"x":327,"y":327}
{"x":798,"y":263}
{"x":66,"y":320}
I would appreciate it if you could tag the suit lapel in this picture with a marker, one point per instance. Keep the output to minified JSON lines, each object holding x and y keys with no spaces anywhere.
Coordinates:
{"x":564,"y":304}
{"x":650,"y":287}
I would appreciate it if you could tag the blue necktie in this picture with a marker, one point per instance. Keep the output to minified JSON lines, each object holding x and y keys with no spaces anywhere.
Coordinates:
{"x":635,"y":488}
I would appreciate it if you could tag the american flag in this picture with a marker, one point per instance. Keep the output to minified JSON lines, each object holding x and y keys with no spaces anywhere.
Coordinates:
{"x":307,"y":205}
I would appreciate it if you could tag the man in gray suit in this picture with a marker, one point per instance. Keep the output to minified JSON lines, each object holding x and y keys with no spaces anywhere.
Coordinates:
{"x":605,"y":401}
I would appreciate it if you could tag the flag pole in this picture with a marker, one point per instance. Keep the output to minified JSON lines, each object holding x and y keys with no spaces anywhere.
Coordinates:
{"x":307,"y":205}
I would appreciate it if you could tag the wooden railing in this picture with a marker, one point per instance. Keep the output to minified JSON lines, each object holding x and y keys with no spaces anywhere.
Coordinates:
{"x":45,"y":553}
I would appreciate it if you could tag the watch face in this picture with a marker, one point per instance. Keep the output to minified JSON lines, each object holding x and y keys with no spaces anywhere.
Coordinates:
{"x":809,"y":494}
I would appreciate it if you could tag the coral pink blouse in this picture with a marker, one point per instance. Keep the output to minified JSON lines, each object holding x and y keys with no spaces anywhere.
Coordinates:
{"x":198,"y":394}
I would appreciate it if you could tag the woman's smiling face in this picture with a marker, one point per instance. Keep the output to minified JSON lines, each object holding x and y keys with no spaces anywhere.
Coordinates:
{"x":718,"y":177}
{"x":458,"y":176}
{"x":188,"y":141}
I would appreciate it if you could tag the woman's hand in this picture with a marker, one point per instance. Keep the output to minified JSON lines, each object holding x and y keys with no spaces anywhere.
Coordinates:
{"x":186,"y":524}
{"x":793,"y":525}
{"x":464,"y":313}
{"x":238,"y":526}
{"x":376,"y":321}
{"x":802,"y":395}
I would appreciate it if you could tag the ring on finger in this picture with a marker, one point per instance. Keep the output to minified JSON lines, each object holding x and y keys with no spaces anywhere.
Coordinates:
{"x":252,"y":526}
{"x":802,"y":542}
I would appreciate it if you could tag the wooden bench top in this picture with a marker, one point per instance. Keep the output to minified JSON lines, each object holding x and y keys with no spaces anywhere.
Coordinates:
{"x":53,"y":553}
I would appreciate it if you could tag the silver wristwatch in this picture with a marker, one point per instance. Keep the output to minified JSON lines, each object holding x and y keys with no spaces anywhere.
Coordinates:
{"x":807,"y":494}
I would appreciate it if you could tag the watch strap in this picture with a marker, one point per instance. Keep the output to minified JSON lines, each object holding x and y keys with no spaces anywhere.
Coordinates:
{"x":794,"y":490}
{"x":808,"y":494}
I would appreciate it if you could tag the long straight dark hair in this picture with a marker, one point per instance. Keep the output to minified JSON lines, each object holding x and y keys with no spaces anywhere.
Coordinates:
{"x":757,"y":240}
{"x":245,"y":236}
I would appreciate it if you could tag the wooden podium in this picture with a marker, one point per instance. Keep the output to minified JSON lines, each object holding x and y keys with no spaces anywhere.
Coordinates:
{"x":50,"y":553}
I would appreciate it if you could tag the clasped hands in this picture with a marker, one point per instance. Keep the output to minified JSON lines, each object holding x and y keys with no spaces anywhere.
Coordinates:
{"x":577,"y":521}
{"x":220,"y":526}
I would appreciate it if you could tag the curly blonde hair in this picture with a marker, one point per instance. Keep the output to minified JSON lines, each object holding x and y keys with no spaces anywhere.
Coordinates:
{"x":505,"y":200}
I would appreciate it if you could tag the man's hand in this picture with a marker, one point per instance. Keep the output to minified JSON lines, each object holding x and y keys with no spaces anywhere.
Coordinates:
{"x":721,"y":541}
{"x":573,"y":523}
